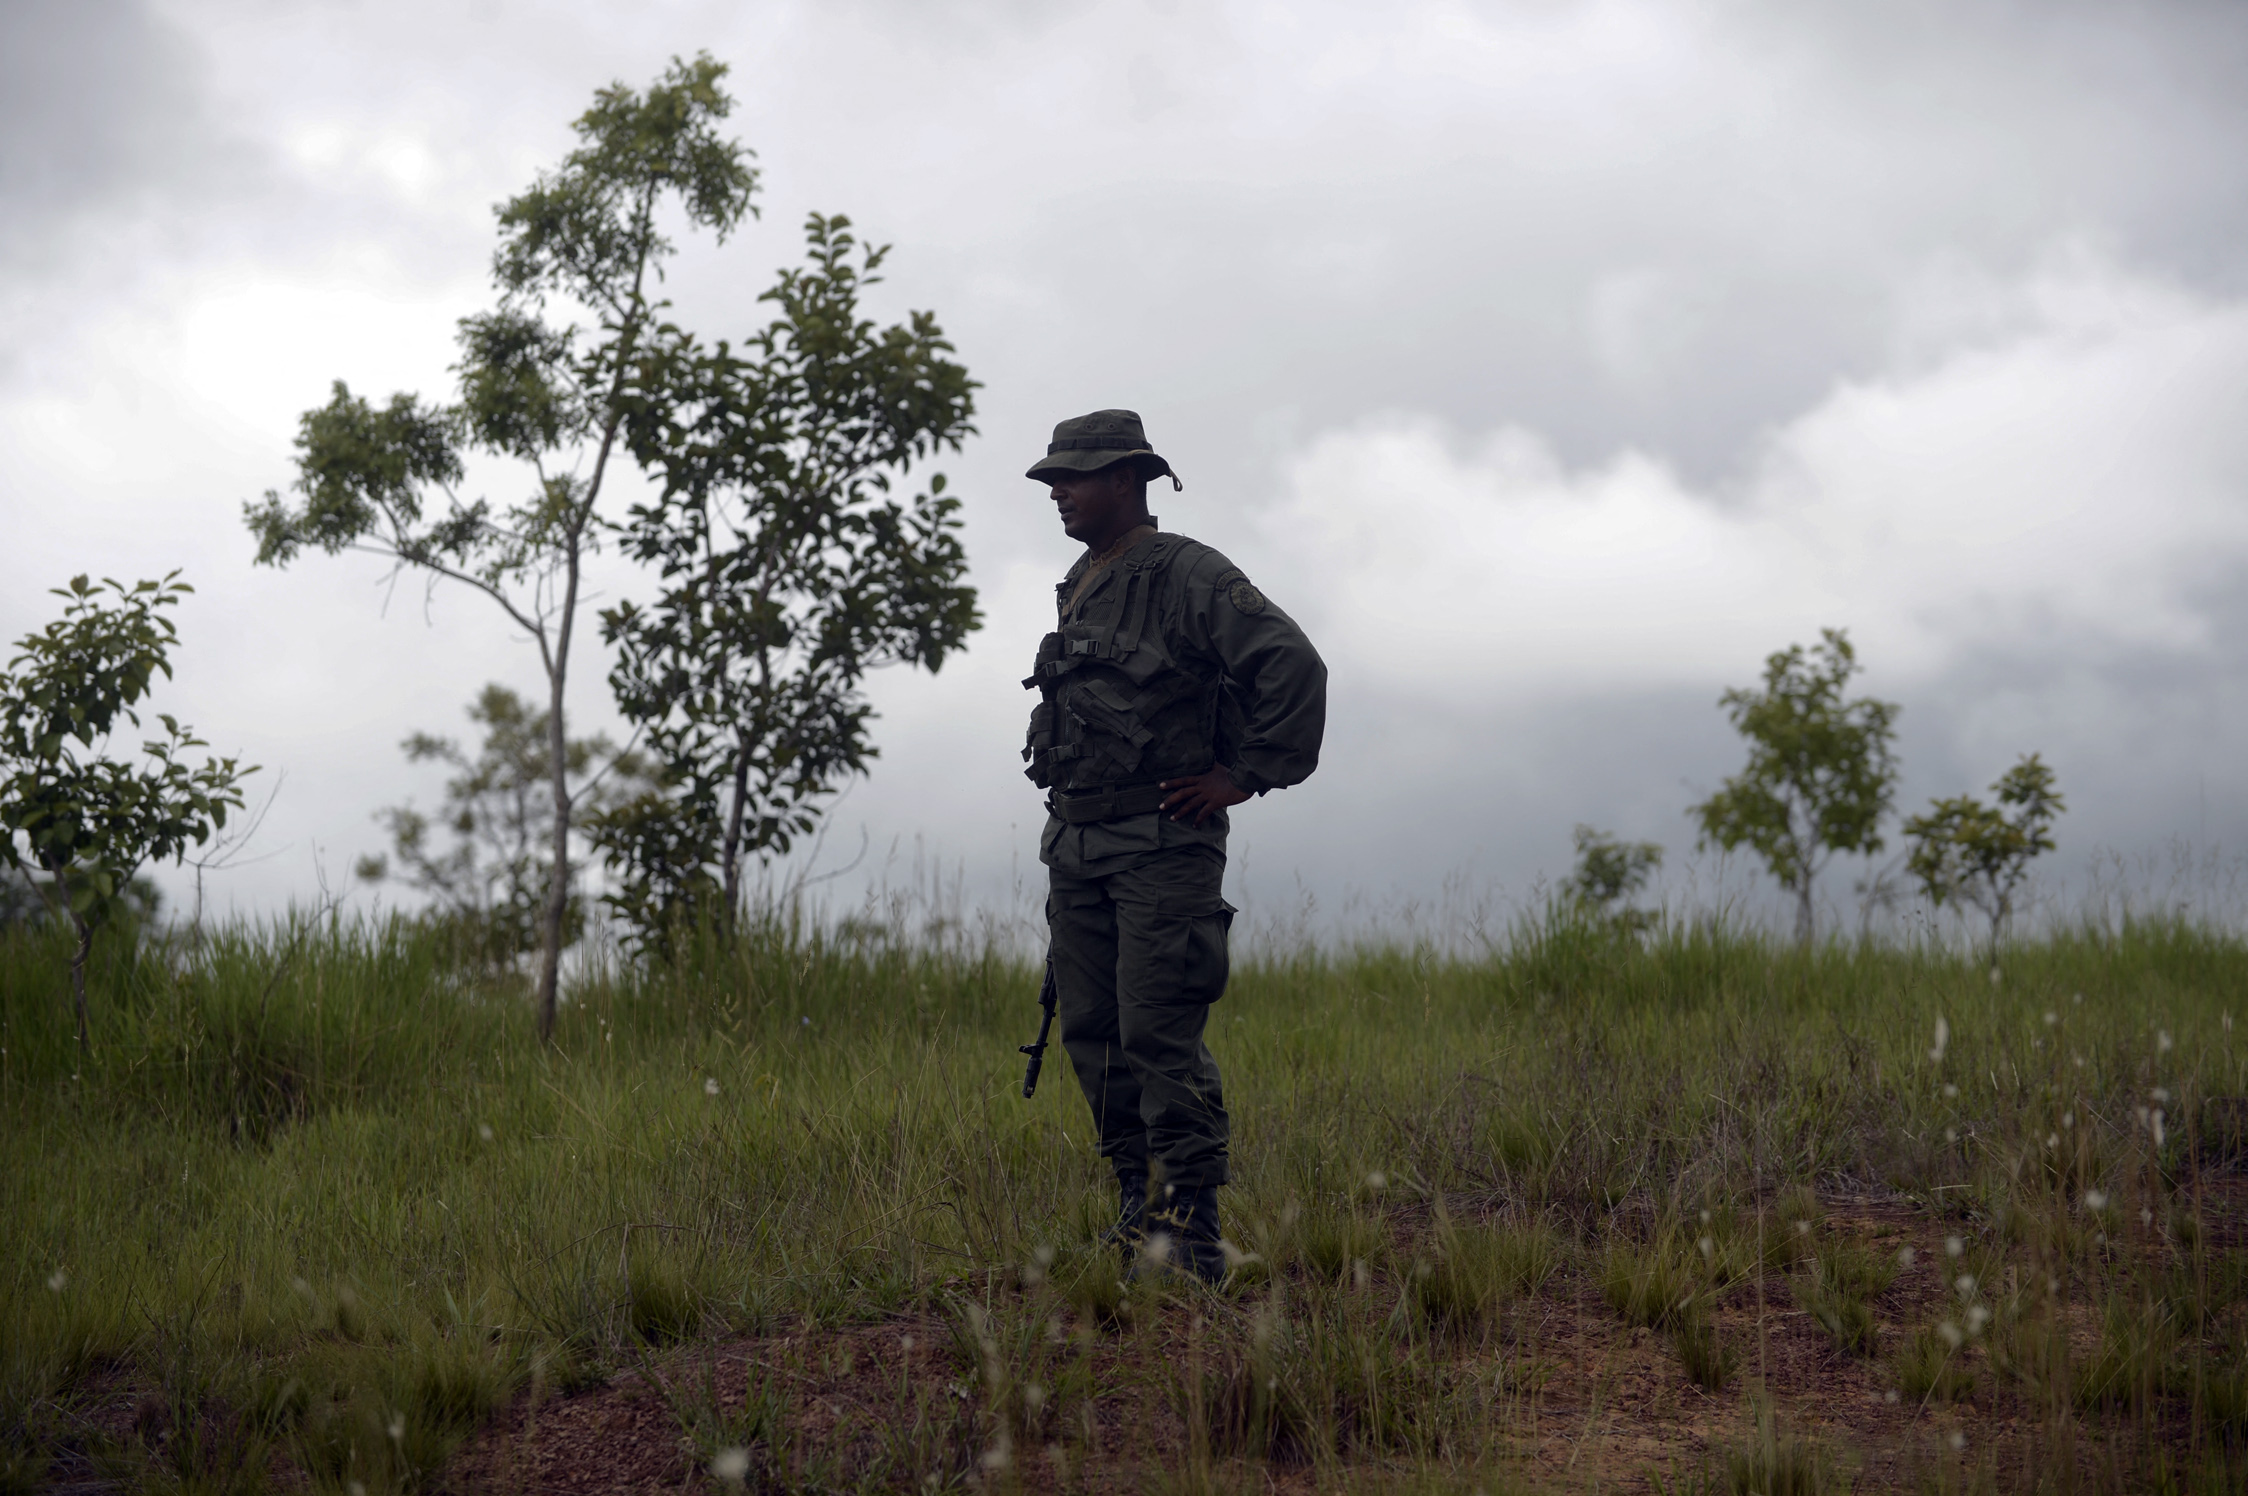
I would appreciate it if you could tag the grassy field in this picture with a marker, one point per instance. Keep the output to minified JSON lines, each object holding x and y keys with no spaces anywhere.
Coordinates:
{"x":1698,"y":1212}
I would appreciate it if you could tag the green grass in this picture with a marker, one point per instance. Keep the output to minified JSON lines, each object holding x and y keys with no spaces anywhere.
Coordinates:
{"x":317,"y":1194}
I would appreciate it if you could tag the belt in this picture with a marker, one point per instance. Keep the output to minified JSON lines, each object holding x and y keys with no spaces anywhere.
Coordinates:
{"x":1107,"y":805}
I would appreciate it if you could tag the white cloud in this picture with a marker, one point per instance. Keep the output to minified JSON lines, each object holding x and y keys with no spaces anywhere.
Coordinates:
{"x":2073,"y":478}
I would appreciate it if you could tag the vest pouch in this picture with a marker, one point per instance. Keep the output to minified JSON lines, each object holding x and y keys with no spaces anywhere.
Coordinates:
{"x":1049,"y":651}
{"x":1119,"y":734}
{"x":1038,"y":745}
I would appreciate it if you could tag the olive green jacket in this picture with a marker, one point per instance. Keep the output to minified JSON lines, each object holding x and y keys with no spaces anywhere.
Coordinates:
{"x":1169,"y":662}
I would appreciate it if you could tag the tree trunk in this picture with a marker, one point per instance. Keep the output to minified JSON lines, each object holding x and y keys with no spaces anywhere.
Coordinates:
{"x":732,"y":854}
{"x":1806,"y":918}
{"x":557,"y":747}
{"x":78,"y":982}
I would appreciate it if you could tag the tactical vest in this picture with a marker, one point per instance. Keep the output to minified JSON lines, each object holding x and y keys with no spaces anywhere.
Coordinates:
{"x":1120,"y":703}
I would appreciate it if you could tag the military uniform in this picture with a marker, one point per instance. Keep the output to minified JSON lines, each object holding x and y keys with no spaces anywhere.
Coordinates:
{"x":1166,"y":661}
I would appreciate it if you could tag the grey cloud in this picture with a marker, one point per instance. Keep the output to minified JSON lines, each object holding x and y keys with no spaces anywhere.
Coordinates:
{"x":98,"y":105}
{"x":1255,"y":232}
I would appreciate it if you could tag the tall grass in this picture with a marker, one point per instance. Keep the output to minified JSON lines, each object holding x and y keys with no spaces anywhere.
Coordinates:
{"x":317,"y":1192}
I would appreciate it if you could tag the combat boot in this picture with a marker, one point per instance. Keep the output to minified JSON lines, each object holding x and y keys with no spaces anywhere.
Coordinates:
{"x":1129,"y":1233}
{"x":1189,"y":1219}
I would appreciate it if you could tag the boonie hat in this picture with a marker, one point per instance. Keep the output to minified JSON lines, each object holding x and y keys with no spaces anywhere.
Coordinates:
{"x":1086,"y":444}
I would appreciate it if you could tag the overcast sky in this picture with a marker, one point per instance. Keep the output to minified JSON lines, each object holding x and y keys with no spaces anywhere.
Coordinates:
{"x":1551,"y":363}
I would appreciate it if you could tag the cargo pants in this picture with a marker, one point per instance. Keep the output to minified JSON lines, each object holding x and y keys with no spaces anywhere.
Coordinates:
{"x":1139,"y":956}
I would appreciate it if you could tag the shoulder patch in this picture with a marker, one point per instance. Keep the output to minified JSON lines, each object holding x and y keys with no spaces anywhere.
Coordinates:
{"x":1245,"y":597}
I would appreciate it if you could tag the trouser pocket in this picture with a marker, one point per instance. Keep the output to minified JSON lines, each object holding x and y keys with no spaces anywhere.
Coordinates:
{"x":1209,"y":961}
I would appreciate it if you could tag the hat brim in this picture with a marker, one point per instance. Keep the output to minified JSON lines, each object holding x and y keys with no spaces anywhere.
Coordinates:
{"x":1053,"y":465}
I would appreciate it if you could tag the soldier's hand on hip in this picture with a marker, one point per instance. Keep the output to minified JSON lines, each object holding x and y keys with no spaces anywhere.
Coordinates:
{"x":1201,"y":796}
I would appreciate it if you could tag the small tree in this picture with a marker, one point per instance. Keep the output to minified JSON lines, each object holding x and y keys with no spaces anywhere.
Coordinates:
{"x":489,"y":887}
{"x":792,"y":565}
{"x":551,"y":395}
{"x":81,"y":820}
{"x":1820,"y":774}
{"x":1608,"y":873}
{"x":1964,"y":851}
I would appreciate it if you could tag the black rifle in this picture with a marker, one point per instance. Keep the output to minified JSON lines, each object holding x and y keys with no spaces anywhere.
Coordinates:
{"x":1037,"y":1052}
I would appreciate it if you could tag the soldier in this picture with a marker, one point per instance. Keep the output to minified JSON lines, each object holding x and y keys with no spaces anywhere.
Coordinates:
{"x":1172,"y":690}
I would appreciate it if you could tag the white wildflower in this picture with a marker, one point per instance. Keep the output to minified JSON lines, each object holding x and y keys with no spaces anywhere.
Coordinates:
{"x":1954,"y":1245}
{"x":57,"y":1281}
{"x":1952,"y":1336}
{"x":710,"y":1085}
{"x":730,"y":1464}
{"x":2051,"y":1018}
{"x":484,"y":1131}
{"x":1943,"y":1040}
{"x":1905,"y":1255}
{"x":1966,"y":1285}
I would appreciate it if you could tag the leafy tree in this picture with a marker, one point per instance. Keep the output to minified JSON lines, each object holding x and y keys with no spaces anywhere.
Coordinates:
{"x":80,"y":819}
{"x":1964,"y":851}
{"x":489,"y":887}
{"x":550,"y":394}
{"x":793,"y":562}
{"x":1820,"y":774}
{"x":1609,"y":872}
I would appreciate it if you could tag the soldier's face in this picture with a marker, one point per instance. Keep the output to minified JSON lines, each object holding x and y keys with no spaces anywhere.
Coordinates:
{"x":1097,"y":506}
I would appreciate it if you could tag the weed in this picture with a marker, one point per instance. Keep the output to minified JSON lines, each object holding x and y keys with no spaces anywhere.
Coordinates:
{"x":1930,"y":1367}
{"x":1709,"y":1359}
{"x":664,"y":1308}
{"x":1648,"y":1285}
{"x":1777,"y":1464}
{"x":1468,"y":1272}
{"x":2131,"y":1365}
{"x":1340,"y":1246}
{"x":1836,"y":1289}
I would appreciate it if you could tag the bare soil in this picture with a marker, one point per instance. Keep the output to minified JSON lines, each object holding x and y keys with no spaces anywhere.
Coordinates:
{"x":1612,"y":1409}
